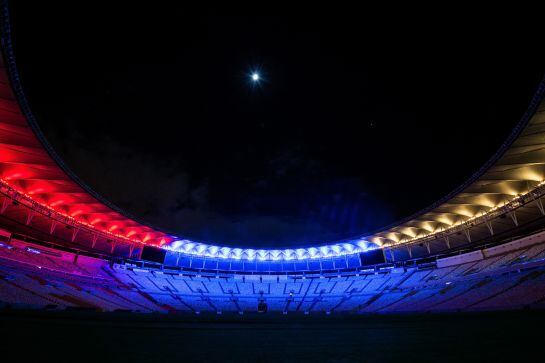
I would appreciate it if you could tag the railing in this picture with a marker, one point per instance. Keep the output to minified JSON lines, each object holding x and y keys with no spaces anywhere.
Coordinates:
{"x":20,"y":198}
{"x":511,"y":206}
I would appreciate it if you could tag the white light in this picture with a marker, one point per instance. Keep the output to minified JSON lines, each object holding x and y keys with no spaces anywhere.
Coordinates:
{"x":255,"y":77}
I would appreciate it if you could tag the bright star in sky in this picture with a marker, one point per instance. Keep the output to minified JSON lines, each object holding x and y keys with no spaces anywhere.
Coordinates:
{"x":255,"y":76}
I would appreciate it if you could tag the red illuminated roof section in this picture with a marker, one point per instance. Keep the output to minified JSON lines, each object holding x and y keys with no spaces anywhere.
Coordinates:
{"x":27,"y":167}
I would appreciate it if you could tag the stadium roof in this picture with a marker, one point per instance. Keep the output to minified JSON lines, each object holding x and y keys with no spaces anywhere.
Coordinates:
{"x":33,"y":173}
{"x":516,"y":169}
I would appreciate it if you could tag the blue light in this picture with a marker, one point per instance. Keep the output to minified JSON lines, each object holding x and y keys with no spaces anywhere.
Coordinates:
{"x":255,"y":77}
{"x":199,"y":249}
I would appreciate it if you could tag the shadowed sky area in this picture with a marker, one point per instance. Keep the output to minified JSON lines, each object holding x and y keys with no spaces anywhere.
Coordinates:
{"x":361,"y":118}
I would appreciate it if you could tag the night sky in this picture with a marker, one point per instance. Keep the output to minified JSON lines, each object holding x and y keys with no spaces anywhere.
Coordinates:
{"x":362,"y":118}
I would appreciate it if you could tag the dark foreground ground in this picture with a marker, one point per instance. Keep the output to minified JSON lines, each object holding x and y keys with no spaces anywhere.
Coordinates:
{"x":124,"y":337}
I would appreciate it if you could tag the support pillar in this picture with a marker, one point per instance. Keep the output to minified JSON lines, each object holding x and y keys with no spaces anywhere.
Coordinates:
{"x":540,"y":206}
{"x":74,"y":233}
{"x":468,"y":235}
{"x":29,"y":217}
{"x":94,"y":242}
{"x":383,"y":255}
{"x":489,"y":225}
{"x":513,"y":216}
{"x":5,"y":205}
{"x":53,"y":226}
{"x":447,"y":241}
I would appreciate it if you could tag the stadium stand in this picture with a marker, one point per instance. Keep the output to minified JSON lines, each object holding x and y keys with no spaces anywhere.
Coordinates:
{"x":506,"y":276}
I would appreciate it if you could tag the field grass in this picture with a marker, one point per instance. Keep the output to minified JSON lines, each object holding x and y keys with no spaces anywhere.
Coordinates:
{"x":78,"y":336}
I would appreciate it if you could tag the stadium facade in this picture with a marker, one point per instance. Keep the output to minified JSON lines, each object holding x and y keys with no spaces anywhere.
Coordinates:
{"x":62,"y":245}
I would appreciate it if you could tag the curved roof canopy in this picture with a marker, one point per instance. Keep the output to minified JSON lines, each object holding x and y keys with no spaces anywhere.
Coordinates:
{"x":516,"y":170}
{"x":31,"y":169}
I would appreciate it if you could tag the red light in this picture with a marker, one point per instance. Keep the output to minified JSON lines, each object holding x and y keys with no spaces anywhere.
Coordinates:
{"x":76,"y":213}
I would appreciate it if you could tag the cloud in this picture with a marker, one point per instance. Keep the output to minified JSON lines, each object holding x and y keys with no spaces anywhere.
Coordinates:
{"x":289,"y":205}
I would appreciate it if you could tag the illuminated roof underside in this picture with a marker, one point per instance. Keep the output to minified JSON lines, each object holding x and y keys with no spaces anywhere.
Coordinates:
{"x":517,"y":170}
{"x":31,"y":173}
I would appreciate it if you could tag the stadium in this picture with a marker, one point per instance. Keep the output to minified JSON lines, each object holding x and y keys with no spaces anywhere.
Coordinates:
{"x":471,"y":263}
